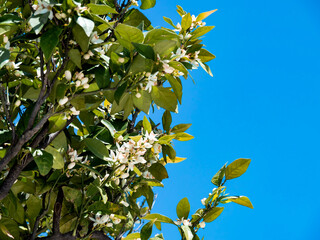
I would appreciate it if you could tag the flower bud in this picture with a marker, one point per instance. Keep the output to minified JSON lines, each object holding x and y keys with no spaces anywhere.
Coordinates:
{"x":17,"y":103}
{"x":5,"y":39}
{"x":68,"y":75}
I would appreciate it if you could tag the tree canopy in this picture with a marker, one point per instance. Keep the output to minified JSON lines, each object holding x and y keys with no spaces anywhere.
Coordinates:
{"x":76,"y":160}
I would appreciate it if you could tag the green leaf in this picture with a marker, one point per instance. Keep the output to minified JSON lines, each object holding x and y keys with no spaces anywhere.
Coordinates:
{"x":187,"y":232}
{"x":164,"y":98}
{"x":241,"y":200}
{"x":4,"y":56}
{"x":186,"y":21}
{"x":132,"y":236}
{"x":33,"y":208}
{"x":159,"y":217}
{"x":168,"y":20}
{"x":143,"y":102}
{"x":200,"y":31}
{"x":183,"y":136}
{"x":72,"y":195}
{"x":110,"y":127}
{"x":158,"y":171}
{"x":145,"y":50}
{"x":183,"y":208}
{"x":44,"y":161}
{"x":180,"y":128}
{"x":176,"y":86}
{"x":166,"y":139}
{"x":86,"y":24}
{"x":81,"y":37}
{"x":146,"y":231}
{"x":102,"y":77}
{"x":134,"y":18}
{"x":56,"y":123}
{"x":166,"y":120}
{"x":75,"y":57}
{"x":237,"y":168}
{"x":217,"y":178}
{"x":212,"y":214}
{"x":37,"y":22}
{"x":49,"y":40}
{"x":58,"y":162}
{"x":146,"y":125}
{"x":126,"y":34}
{"x":120,"y":91}
{"x":146,"y":4}
{"x":97,"y":148}
{"x":179,"y":66}
{"x":205,"y":55}
{"x":100,"y":9}
{"x":204,"y":15}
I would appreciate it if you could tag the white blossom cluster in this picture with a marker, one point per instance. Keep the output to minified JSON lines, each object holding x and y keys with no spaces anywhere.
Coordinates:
{"x":131,"y":153}
{"x":106,"y":220}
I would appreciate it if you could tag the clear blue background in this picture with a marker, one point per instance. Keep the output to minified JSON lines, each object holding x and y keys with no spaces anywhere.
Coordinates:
{"x":262,"y":103}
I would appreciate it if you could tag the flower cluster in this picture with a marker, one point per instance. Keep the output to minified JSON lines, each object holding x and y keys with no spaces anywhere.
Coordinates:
{"x":131,"y":153}
{"x":106,"y":220}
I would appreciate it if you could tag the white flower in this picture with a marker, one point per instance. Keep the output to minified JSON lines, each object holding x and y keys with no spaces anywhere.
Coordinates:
{"x":95,"y":38}
{"x":152,"y":80}
{"x":74,"y":111}
{"x":124,"y":203}
{"x":71,"y":165}
{"x":135,"y":3}
{"x":202,"y":224}
{"x":138,"y":95}
{"x":180,"y":53}
{"x":17,"y":103}
{"x":11,"y":65}
{"x":44,"y":7}
{"x":167,"y":68}
{"x":151,"y":137}
{"x":78,"y":83}
{"x":186,"y":222}
{"x":157,"y":148}
{"x":86,"y":56}
{"x":110,"y":225}
{"x":63,"y":15}
{"x":63,"y":101}
{"x":116,"y":220}
{"x":124,"y":175}
{"x":178,"y":28}
{"x":99,"y":220}
{"x":121,"y":60}
{"x":203,"y":201}
{"x":68,"y":75}
{"x":5,"y":39}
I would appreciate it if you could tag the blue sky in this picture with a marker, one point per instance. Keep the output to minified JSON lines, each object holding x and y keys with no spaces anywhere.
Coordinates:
{"x":262,"y":103}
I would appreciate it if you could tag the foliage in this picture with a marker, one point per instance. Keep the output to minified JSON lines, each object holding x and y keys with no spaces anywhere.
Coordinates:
{"x":74,"y":78}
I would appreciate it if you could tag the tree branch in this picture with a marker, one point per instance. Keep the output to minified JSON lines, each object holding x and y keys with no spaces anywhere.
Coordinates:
{"x":5,"y":105}
{"x":17,"y":168}
{"x":57,"y":213}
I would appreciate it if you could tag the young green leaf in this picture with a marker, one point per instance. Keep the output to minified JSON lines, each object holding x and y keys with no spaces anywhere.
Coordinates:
{"x":183,"y":136}
{"x":237,"y":168}
{"x":146,"y":4}
{"x":217,"y":178}
{"x":183,"y":208}
{"x":147,"y":125}
{"x":241,"y":200}
{"x":158,"y":217}
{"x":204,"y":15}
{"x":180,"y":128}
